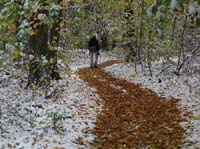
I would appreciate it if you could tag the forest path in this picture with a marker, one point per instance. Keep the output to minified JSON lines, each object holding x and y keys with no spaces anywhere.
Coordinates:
{"x":132,"y":117}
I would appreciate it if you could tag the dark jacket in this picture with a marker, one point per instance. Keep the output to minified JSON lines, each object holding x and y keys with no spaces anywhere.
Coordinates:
{"x":93,"y":44}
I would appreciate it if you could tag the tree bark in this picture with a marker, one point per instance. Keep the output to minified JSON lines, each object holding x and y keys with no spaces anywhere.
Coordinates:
{"x":39,"y":47}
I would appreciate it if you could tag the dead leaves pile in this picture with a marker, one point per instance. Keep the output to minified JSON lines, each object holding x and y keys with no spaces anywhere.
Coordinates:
{"x":132,"y":117}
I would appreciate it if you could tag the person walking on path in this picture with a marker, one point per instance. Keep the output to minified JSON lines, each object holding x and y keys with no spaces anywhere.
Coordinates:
{"x":93,"y":47}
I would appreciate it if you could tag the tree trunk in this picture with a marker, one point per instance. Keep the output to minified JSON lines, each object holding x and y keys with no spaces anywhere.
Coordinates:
{"x":104,"y":42}
{"x":39,"y":73}
{"x":131,"y":32}
{"x":54,"y":42}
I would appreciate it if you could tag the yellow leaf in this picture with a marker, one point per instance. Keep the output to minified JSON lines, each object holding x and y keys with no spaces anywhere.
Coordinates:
{"x":34,"y":87}
{"x":42,"y":123}
{"x":32,"y":32}
{"x":47,"y":1}
{"x":15,"y":54}
{"x":78,"y":1}
{"x":153,"y":35}
{"x":64,"y":2}
{"x":9,"y":145}
{"x":133,"y":75}
{"x":61,"y":24}
{"x":149,"y":1}
{"x":55,"y":38}
{"x":51,"y":48}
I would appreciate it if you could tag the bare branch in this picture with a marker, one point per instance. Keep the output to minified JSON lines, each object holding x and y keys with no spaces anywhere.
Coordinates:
{"x":177,"y":72}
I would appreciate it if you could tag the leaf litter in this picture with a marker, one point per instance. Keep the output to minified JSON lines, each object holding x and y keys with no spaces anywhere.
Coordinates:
{"x":135,"y":123}
{"x":139,"y":118}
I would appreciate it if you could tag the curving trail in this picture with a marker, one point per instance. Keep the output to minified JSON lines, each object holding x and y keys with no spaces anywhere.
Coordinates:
{"x":132,"y":117}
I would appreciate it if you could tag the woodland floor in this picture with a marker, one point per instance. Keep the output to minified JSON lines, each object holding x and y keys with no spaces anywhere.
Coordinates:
{"x":132,"y":117}
{"x":108,"y":107}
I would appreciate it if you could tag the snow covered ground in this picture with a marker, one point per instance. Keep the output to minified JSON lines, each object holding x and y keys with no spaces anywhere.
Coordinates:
{"x":29,"y":120}
{"x":186,"y":88}
{"x":81,"y":58}
{"x":60,"y":116}
{"x":64,"y":115}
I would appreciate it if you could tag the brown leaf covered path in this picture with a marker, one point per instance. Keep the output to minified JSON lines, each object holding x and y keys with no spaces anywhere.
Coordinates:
{"x":132,"y":117}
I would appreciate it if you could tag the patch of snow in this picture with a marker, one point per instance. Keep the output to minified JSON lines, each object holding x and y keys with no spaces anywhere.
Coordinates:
{"x":82,"y":58}
{"x":65,"y":119}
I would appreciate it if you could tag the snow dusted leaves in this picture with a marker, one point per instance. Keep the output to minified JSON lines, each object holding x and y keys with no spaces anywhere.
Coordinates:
{"x":159,"y":32}
{"x":28,"y":120}
{"x":150,"y":11}
{"x":175,"y":4}
{"x":160,"y":15}
{"x":31,"y":57}
{"x":154,"y":9}
{"x":193,"y":8}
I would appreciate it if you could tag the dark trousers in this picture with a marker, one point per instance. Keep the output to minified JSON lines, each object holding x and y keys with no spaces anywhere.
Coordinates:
{"x":93,"y":57}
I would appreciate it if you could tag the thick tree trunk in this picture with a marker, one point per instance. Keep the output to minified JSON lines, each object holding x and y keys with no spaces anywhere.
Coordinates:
{"x":39,"y":47}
